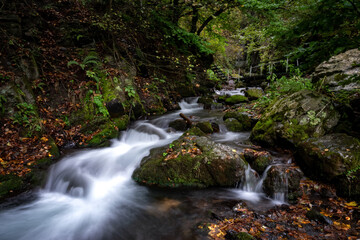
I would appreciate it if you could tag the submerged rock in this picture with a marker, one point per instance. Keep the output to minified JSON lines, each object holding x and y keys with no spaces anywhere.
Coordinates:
{"x":295,"y":118}
{"x":191,"y":161}
{"x":329,"y":156}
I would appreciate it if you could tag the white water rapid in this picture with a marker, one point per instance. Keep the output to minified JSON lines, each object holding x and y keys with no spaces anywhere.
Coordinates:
{"x":90,"y":195}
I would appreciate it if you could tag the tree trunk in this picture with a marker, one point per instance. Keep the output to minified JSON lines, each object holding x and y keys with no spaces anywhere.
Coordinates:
{"x":194,"y":20}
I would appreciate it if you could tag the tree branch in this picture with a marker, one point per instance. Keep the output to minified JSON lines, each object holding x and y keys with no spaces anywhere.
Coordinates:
{"x":206,"y":22}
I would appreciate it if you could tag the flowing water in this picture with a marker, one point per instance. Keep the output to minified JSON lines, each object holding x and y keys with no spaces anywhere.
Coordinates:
{"x":90,"y":194}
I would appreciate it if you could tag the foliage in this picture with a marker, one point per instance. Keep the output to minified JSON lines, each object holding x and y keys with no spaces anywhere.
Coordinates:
{"x":314,"y":30}
{"x":185,"y":40}
{"x":27,"y":117}
{"x":89,"y":60}
{"x":130,"y":91}
{"x":99,"y":102}
{"x":284,"y":85}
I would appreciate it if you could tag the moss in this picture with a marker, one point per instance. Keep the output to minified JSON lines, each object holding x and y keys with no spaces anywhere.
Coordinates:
{"x":109,"y":130}
{"x":233,"y":125}
{"x":295,"y":131}
{"x":263,"y":132}
{"x":235,"y":99}
{"x":9,"y":185}
{"x":254,"y":93}
{"x":194,"y":131}
{"x":339,"y":77}
{"x":205,"y":127}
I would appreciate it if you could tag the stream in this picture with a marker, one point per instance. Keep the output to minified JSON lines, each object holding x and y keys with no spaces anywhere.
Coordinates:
{"x":90,"y":194}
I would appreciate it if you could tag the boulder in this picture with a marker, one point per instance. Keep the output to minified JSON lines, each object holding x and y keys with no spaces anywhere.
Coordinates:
{"x":191,"y":161}
{"x":339,"y":72}
{"x":329,"y":156}
{"x":340,"y":75}
{"x":254,"y":93}
{"x":283,"y":181}
{"x":295,"y":118}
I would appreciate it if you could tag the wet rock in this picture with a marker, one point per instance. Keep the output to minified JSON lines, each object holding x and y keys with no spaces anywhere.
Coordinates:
{"x":261,"y":163}
{"x":192,"y":161}
{"x":235,"y":99}
{"x":283,"y":181}
{"x":329,"y":156}
{"x":348,"y":185}
{"x":115,"y":108}
{"x":315,"y":215}
{"x":295,"y":118}
{"x":179,"y":125}
{"x":233,"y":125}
{"x":254,"y":93}
{"x":206,"y":101}
{"x":215,"y":127}
{"x":216,"y":105}
{"x":259,"y":160}
{"x":241,"y":117}
{"x":206,"y":127}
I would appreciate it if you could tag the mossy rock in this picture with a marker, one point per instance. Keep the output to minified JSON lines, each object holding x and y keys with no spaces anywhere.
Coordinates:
{"x":329,"y":156}
{"x":233,"y":125}
{"x":109,"y":130}
{"x":348,"y":185}
{"x":235,"y":99}
{"x":241,"y":116}
{"x":205,"y":100}
{"x":206,"y":127}
{"x":261,"y":163}
{"x":295,"y":118}
{"x":194,"y":131}
{"x":179,"y":125}
{"x":254,"y":93}
{"x":192,"y":162}
{"x":10,"y":185}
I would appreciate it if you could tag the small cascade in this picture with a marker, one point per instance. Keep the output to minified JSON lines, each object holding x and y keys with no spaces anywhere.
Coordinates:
{"x":238,"y":91}
{"x":190,"y":104}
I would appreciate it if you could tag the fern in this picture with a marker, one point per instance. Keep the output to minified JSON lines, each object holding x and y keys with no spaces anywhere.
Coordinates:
{"x":99,"y":102}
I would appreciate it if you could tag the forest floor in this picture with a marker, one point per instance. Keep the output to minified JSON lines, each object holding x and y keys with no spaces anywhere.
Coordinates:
{"x":318,"y":214}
